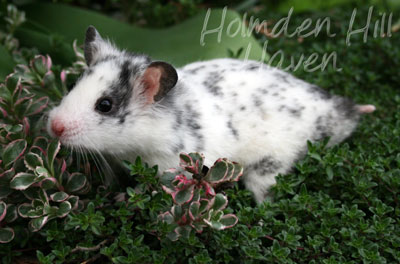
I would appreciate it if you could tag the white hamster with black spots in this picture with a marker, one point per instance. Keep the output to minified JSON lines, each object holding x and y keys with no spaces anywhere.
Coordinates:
{"x":126,"y":104}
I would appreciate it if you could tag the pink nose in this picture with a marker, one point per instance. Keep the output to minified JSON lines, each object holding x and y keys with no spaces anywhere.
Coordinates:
{"x":57,"y":127}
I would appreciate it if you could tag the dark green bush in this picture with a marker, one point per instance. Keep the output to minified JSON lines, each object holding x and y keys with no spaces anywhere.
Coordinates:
{"x":339,"y":205}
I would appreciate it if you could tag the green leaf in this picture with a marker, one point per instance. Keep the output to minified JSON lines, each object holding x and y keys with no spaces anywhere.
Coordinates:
{"x":168,"y":177}
{"x":6,"y":63}
{"x":3,"y":210}
{"x":32,"y":160}
{"x":12,"y":214}
{"x":76,"y":182}
{"x":6,"y":234}
{"x":194,"y":210}
{"x":238,"y":172}
{"x":218,"y":172}
{"x":64,"y":209}
{"x":13,"y":151}
{"x":228,"y":221}
{"x":22,"y":181}
{"x":52,"y":151}
{"x":23,"y":209}
{"x":184,"y":195}
{"x":59,"y":196}
{"x":178,"y":44}
{"x":219,"y":202}
{"x":37,"y":223}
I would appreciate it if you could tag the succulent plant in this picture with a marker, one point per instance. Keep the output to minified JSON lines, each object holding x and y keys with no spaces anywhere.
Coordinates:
{"x":196,"y":204}
{"x":34,"y":183}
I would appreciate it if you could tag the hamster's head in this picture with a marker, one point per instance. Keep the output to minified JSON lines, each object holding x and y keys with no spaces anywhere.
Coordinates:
{"x":114,"y":97}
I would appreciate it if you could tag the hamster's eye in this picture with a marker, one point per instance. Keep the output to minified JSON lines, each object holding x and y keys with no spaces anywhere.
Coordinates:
{"x":104,"y":105}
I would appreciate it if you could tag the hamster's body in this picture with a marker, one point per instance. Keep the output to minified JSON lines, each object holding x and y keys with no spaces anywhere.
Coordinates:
{"x":245,"y":111}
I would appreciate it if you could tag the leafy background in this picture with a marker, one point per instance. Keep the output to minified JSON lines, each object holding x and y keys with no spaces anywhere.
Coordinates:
{"x":339,"y":205}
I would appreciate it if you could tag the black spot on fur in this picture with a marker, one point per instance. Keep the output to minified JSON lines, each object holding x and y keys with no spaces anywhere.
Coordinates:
{"x":233,"y":130}
{"x":265,"y":166}
{"x":252,"y":67}
{"x":212,"y":83}
{"x":192,"y":121}
{"x":283,"y":76}
{"x":319,"y":93}
{"x":257,"y":101}
{"x":120,"y":92}
{"x":323,"y":127}
{"x":346,"y":107}
{"x":242,"y":108}
{"x":195,"y":70}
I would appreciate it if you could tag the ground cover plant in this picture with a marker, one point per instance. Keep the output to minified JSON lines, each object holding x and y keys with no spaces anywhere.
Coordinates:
{"x":339,"y":205}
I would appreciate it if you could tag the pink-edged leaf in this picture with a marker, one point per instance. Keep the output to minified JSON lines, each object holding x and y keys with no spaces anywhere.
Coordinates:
{"x":168,"y":190}
{"x":52,"y":150}
{"x":23,"y":209}
{"x":6,"y":235}
{"x":228,"y":221}
{"x":12,"y":81}
{"x":12,"y":214}
{"x":33,"y":160}
{"x":238,"y":172}
{"x":185,"y":159}
{"x":184,"y":195}
{"x":73,"y":200}
{"x":38,"y":64}
{"x":23,"y":99}
{"x":194,"y":210}
{"x":63,"y":76}
{"x":48,"y":183}
{"x":218,"y":172}
{"x":219,"y":202}
{"x":76,"y":182}
{"x":42,"y":171}
{"x":173,"y":236}
{"x":48,"y":79}
{"x":59,"y":197}
{"x":3,"y":112}
{"x":213,"y":224}
{"x":22,"y":181}
{"x":37,"y":223}
{"x":198,"y":226}
{"x":27,"y":126}
{"x":168,"y":177}
{"x":37,"y":106}
{"x":166,"y":217}
{"x":3,"y":210}
{"x":13,"y":151}
{"x":63,"y":167}
{"x":7,"y":175}
{"x":44,"y":198}
{"x":40,"y":143}
{"x":64,"y":209}
{"x":177,"y":212}
{"x":209,"y":190}
{"x":48,"y":62}
{"x":204,"y":205}
{"x":183,"y":231}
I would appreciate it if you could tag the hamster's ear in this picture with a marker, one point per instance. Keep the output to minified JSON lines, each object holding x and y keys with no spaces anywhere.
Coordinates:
{"x":158,"y":79}
{"x":96,"y":47}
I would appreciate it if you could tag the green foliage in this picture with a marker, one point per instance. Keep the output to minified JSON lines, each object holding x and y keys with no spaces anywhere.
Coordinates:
{"x":339,"y":205}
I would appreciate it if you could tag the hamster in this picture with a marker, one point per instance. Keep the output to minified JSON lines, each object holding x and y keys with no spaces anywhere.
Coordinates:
{"x":127,"y":104}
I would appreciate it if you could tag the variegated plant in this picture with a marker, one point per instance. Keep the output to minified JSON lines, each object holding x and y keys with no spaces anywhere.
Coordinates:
{"x":34,"y":182}
{"x":196,"y":203}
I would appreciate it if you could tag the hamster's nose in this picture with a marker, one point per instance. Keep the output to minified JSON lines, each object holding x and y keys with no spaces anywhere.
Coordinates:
{"x":57,"y":127}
